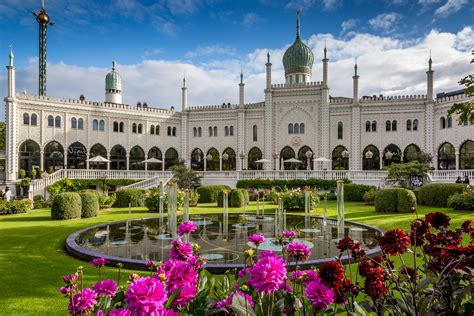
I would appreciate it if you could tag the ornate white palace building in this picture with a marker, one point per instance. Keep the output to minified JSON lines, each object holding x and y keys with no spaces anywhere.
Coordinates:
{"x":298,"y":119}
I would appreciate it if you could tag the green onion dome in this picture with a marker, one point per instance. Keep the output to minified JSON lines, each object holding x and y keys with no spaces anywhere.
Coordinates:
{"x":298,"y":58}
{"x":113,"y":80}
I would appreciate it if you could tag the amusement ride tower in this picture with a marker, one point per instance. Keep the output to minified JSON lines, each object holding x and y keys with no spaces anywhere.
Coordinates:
{"x":43,"y":20}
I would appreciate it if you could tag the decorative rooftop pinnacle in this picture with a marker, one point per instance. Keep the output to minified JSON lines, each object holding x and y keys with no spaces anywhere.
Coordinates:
{"x":430,"y":62}
{"x":298,"y":11}
{"x":241,"y":75}
{"x":113,"y":65}
{"x":11,"y":56}
{"x":184,"y":80}
{"x":268,"y":57}
{"x":325,"y":50}
{"x":355,"y":67}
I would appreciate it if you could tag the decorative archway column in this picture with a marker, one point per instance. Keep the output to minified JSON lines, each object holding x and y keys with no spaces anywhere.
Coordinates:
{"x":457,"y":159}
{"x":41,"y":160}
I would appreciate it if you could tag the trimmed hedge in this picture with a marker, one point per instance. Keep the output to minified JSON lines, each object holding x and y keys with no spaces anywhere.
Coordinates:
{"x":74,"y":185}
{"x":395,"y":200}
{"x":208,"y":193}
{"x":290,"y":184}
{"x":15,"y":206}
{"x":66,"y":206}
{"x":437,"y":194}
{"x":136,"y":197}
{"x":90,"y":204}
{"x":355,"y":192}
{"x":237,"y":198}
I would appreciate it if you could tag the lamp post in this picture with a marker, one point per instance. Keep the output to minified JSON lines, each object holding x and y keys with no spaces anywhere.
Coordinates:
{"x":309,"y":154}
{"x":225,"y":157}
{"x":388,"y":156}
{"x":242,"y":157}
{"x":209,"y":159}
{"x":103,"y":178}
{"x":369,"y":155}
{"x":345,"y":157}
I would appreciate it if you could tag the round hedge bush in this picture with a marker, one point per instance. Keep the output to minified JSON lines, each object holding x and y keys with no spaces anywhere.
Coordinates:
{"x":90,"y":204}
{"x":208,"y":193}
{"x":136,"y":197}
{"x":66,"y":206}
{"x":437,"y":194}
{"x":237,"y":198}
{"x":395,"y":200}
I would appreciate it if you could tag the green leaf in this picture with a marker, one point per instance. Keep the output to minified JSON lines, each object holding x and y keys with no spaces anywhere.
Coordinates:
{"x":359,"y":308}
{"x":173,"y":297}
{"x":241,"y":307}
{"x":278,"y":306}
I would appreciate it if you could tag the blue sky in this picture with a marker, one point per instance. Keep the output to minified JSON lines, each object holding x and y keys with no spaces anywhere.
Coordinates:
{"x":211,"y":39}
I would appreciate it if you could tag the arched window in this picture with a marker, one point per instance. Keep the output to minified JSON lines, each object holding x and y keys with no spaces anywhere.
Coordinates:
{"x":339,"y":130}
{"x":121,"y":128}
{"x":197,"y":160}
{"x":226,"y":131}
{"x":215,"y":131}
{"x":140,"y":128}
{"x":118,"y":158}
{"x":388,"y":126}
{"x":255,"y":133}
{"x":199,"y":132}
{"x":26,"y":119}
{"x":254,"y":155}
{"x":442,"y":122}
{"x":74,"y":123}
{"x":136,"y":157}
{"x":80,"y":123}
{"x":34,"y":119}
{"x":116,"y":127}
{"x":394,"y":125}
{"x":231,"y":131}
{"x":174,"y":131}
{"x":95,"y":125}
{"x":171,"y":158}
{"x":134,"y":128}
{"x":76,"y":156}
{"x":391,"y":154}
{"x":101,"y":125}
{"x":195,"y":132}
{"x":53,"y":156}
{"x":374,"y":126}
{"x":157,"y":130}
{"x":450,"y":122}
{"x":57,"y":121}
{"x":408,"y":125}
{"x":228,"y":159}
{"x":340,"y":158}
{"x":446,"y":157}
{"x":212,"y":160}
{"x":155,"y":152}
{"x":466,"y":155}
{"x":296,"y":128}
{"x":371,"y":158}
{"x":97,"y":150}
{"x":302,"y":128}
{"x":290,"y":128}
{"x":415,"y":124}
{"x":367,"y":126}
{"x":50,"y":120}
{"x":169,"y":131}
{"x":152,"y":129}
{"x":210,"y":131}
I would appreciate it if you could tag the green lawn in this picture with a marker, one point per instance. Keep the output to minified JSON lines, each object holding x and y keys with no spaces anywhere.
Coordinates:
{"x":33,"y":260}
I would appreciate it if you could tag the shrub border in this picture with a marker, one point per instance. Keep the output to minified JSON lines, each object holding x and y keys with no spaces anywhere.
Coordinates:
{"x":133,"y":264}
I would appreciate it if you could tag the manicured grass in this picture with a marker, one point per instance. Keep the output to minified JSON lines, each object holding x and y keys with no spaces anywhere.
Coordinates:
{"x":33,"y":260}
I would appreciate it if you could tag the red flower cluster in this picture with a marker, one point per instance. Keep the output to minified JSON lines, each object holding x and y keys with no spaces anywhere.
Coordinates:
{"x":438,"y":220}
{"x":332,"y":274}
{"x":394,"y":241}
{"x":346,"y":290}
{"x":374,"y":283}
{"x":347,"y":243}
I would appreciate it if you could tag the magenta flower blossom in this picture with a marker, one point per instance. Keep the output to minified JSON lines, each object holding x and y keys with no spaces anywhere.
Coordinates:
{"x":187,"y":228}
{"x":267,"y":253}
{"x":243,"y":272}
{"x":180,"y":274}
{"x":257,"y":239}
{"x":68,"y":290}
{"x":226,"y":303}
{"x":305,"y":276}
{"x":289,"y":234}
{"x":197,"y":262}
{"x":119,"y":312}
{"x":150,"y":264}
{"x":83,"y":302}
{"x":70,"y":279}
{"x":145,"y":296}
{"x":98,"y":262}
{"x":319,"y":295}
{"x":106,"y":288}
{"x":298,"y":251}
{"x":180,"y":250}
{"x":268,"y":274}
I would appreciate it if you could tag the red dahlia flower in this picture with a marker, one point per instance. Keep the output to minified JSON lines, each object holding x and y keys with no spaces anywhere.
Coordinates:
{"x":332,"y":274}
{"x":394,"y":241}
{"x":374,"y":283}
{"x":345,"y":243}
{"x":438,"y":220}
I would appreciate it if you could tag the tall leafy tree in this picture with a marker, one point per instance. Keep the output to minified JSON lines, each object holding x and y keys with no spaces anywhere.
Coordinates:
{"x":465,"y":110}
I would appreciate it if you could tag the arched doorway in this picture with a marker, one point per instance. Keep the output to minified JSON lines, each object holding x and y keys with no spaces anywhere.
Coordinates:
{"x":29,"y":156}
{"x":466,"y":155}
{"x":391,"y":154}
{"x":446,"y":157}
{"x":197,"y":160}
{"x":137,"y":155}
{"x":411,"y":153}
{"x":171,"y":158}
{"x":371,"y":158}
{"x":254,"y":154}
{"x":305,"y":154}
{"x":98,"y":150}
{"x":76,"y":156}
{"x":155,"y":152}
{"x":212,"y":160}
{"x":53,"y":157}
{"x":287,"y":153}
{"x":118,"y":158}
{"x":228,"y":159}
{"x":340,"y":158}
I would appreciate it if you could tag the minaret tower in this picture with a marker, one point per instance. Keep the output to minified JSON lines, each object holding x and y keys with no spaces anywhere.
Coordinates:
{"x":184,"y":95}
{"x":355,"y":85}
{"x":325,"y":66}
{"x":113,"y":86}
{"x":43,"y":21}
{"x":241,"y":89}
{"x":268,"y":67}
{"x":429,"y":78}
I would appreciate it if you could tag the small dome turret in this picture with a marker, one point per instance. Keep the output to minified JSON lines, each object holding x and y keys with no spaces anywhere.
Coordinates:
{"x":113,"y":80}
{"x":298,"y":59}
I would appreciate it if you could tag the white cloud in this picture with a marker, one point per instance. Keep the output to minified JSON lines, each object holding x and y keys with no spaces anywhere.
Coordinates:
{"x":386,"y":65}
{"x":450,"y":7}
{"x":349,"y":24}
{"x":385,"y":21}
{"x":211,"y":50}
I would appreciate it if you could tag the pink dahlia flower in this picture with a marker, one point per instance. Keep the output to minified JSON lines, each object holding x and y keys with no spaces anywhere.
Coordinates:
{"x":319,"y":295}
{"x":289,"y":234}
{"x":98,"y":262}
{"x":106,"y":288}
{"x":145,"y":296}
{"x":83,"y":302}
{"x":180,"y":274}
{"x":119,"y":312}
{"x":70,"y":279}
{"x":180,"y":250}
{"x":187,"y":228}
{"x":268,"y":274}
{"x":298,"y":251}
{"x":257,"y":239}
{"x":67,"y":290}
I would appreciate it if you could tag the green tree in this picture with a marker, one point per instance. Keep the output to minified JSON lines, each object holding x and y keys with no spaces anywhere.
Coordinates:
{"x":186,"y":178}
{"x":465,"y":110}
{"x":400,"y":173}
